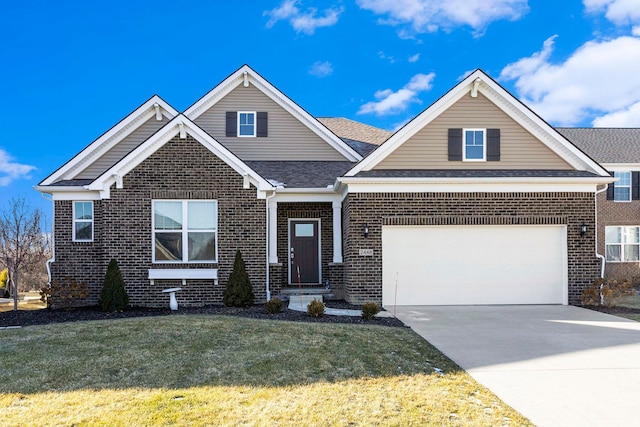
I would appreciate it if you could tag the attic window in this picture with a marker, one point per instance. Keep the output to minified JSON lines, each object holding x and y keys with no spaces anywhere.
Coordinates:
{"x":246,"y":124}
{"x":474,"y":145}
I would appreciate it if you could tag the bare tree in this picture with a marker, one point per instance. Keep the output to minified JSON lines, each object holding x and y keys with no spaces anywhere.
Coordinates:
{"x":21,"y":240}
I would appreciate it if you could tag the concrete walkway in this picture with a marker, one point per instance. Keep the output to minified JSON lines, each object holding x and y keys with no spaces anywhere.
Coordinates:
{"x":556,"y":365}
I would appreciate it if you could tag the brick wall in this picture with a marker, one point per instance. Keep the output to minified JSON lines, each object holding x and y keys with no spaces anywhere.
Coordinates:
{"x":181,"y":169}
{"x":617,"y":213}
{"x":363,"y":274}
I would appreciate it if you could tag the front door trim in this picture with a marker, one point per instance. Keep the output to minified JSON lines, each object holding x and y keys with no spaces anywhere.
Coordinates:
{"x":293,"y":278}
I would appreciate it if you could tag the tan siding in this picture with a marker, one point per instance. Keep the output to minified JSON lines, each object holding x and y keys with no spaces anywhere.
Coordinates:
{"x":427,"y":149}
{"x":123,"y":148}
{"x":288,"y":138}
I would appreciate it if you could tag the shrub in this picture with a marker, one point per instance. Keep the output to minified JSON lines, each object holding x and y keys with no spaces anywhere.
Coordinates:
{"x":4,"y":278}
{"x":66,"y":295}
{"x":273,"y":306}
{"x":114,"y":296}
{"x":369,"y":310}
{"x":315,"y":308}
{"x":238,"y":292}
{"x":606,"y":292}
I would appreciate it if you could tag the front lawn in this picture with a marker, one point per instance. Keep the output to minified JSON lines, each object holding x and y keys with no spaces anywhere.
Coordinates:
{"x":217,"y":370}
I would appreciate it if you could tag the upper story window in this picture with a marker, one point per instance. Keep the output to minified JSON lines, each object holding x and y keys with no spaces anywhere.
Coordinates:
{"x":622,"y":244}
{"x":82,"y":221}
{"x":474,"y":145}
{"x":622,"y":187}
{"x":185,"y":231}
{"x":626,"y":187}
{"x":246,"y":123}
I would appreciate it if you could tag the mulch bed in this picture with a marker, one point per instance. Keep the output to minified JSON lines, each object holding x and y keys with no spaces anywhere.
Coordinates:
{"x":614,"y":310}
{"x":46,"y":316}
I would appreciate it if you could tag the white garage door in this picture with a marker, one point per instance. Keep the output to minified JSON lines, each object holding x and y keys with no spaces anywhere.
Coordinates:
{"x":457,"y":265}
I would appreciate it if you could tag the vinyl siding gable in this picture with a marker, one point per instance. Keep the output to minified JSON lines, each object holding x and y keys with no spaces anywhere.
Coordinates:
{"x":429,"y":147}
{"x":287,"y":138}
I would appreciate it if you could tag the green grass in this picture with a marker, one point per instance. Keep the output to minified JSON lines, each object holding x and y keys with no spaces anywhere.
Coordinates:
{"x":632,"y":301}
{"x":216,"y":370}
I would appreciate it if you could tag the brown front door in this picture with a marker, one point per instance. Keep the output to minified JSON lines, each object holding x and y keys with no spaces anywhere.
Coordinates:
{"x":304,"y":251}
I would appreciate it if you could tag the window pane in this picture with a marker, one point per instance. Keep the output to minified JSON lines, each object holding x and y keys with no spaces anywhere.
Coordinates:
{"x":612,"y":235}
{"x":202,"y":246}
{"x":83,"y":210}
{"x":621,"y":193}
{"x":474,"y":144}
{"x":474,"y":153}
{"x":624,"y":178}
{"x":201,"y":215}
{"x":168,"y":247}
{"x":168,"y":215}
{"x":631,"y":235}
{"x":83,"y":230}
{"x":613,"y":253}
{"x":631,"y":252}
{"x":304,"y":230}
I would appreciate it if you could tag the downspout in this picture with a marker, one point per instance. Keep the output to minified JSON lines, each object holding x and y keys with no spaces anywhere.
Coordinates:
{"x":53,"y":246}
{"x":602,"y":258}
{"x":267,"y":240}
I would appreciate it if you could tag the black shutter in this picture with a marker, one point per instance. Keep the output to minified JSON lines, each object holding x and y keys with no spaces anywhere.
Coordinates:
{"x":635,"y":185}
{"x":263,"y":124}
{"x":455,"y":144}
{"x":493,"y":145}
{"x":610,"y":190}
{"x":232,"y":124}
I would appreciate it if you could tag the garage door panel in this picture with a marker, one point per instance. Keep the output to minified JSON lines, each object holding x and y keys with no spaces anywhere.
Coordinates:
{"x":450,"y":265}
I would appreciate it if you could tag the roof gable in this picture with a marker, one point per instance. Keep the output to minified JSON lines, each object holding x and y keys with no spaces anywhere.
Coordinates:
{"x":103,"y":148}
{"x":246,"y":77}
{"x":181,"y":126}
{"x":480,"y":84}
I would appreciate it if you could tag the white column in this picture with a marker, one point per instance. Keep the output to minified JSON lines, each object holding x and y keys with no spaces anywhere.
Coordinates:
{"x":337,"y":232}
{"x":273,"y":232}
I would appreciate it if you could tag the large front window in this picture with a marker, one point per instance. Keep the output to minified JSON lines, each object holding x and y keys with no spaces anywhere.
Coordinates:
{"x":474,"y":147}
{"x":185,"y":230}
{"x":622,"y":244}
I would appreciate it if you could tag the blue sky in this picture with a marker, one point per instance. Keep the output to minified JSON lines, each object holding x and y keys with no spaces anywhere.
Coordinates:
{"x":72,"y":69}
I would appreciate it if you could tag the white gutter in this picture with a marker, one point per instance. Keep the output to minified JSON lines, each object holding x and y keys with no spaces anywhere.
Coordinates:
{"x":53,"y":246}
{"x":603,"y":260}
{"x":267,"y":240}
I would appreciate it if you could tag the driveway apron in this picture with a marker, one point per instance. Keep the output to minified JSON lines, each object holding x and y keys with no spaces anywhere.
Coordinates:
{"x":556,"y":365}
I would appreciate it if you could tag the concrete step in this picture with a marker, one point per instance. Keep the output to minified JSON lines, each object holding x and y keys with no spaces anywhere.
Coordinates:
{"x":300,"y":302}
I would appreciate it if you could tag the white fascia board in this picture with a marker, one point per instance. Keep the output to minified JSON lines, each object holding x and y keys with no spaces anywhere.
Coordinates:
{"x":68,"y":193}
{"x":111,"y":138}
{"x":164,"y":135}
{"x":313,"y":195}
{"x":621,"y":167}
{"x":503,"y":100}
{"x":478,"y":185}
{"x":238,"y":78}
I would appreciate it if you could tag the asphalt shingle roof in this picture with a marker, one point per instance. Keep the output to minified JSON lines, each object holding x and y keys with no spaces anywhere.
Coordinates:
{"x":355,"y":131}
{"x":307,"y":174}
{"x":606,"y":145}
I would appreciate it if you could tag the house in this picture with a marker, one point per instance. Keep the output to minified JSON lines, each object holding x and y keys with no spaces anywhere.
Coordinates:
{"x":477,"y":200}
{"x":618,"y":208}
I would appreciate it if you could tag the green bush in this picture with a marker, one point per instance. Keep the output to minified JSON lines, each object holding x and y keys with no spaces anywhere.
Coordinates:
{"x":114,"y":296}
{"x":238,"y":292}
{"x":64,"y":295}
{"x":369,"y":310}
{"x":315,"y":308}
{"x":606,"y":292}
{"x":273,"y":306}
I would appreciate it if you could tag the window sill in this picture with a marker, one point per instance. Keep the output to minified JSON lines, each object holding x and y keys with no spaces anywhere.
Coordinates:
{"x":183,"y":273}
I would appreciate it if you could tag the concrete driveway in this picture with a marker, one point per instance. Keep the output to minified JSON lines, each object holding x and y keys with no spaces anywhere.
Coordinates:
{"x":556,"y":365}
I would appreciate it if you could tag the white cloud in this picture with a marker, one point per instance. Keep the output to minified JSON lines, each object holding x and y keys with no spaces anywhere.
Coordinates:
{"x":428,"y":16}
{"x":384,"y":56}
{"x":629,"y":117}
{"x":598,"y":82}
{"x":620,"y":12}
{"x":321,"y":69}
{"x":10,"y":171}
{"x":414,"y":58}
{"x":390,"y":102}
{"x":303,"y":22}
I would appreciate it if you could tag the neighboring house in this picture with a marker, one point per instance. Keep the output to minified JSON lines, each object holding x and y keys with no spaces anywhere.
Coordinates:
{"x":475,"y":201}
{"x":618,"y":208}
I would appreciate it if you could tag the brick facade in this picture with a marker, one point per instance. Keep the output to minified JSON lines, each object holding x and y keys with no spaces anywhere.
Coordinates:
{"x":123,"y":227}
{"x":363,"y":275}
{"x":611,"y":213}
